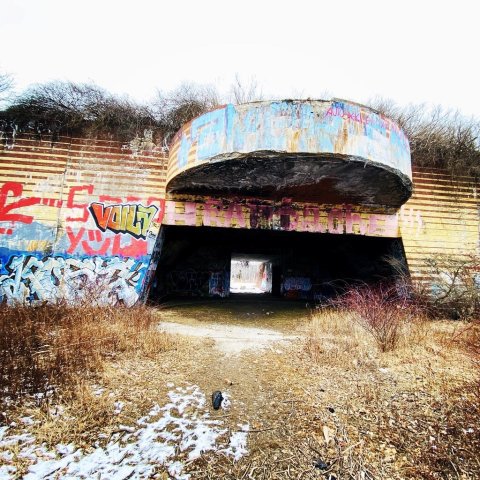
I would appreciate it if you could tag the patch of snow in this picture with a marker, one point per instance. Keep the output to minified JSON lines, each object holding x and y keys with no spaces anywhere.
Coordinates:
{"x":27,"y":420}
{"x":238,"y":443}
{"x":183,"y":424}
{"x":7,"y":472}
{"x":226,"y":402}
{"x":118,"y":407}
{"x":98,"y":391}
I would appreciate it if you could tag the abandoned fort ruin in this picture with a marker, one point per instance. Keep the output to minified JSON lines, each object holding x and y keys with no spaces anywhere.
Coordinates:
{"x":297,"y":195}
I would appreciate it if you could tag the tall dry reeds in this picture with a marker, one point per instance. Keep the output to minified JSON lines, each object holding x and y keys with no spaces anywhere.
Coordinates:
{"x":47,"y":346}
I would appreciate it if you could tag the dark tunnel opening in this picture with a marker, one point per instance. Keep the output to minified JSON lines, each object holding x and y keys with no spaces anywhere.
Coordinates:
{"x":197,"y":262}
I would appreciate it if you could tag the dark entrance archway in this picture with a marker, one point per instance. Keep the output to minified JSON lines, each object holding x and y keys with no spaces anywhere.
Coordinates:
{"x":196,"y":261}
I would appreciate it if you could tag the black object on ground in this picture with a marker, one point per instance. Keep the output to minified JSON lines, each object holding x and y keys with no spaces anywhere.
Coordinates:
{"x":217,"y":398}
{"x":320,"y":464}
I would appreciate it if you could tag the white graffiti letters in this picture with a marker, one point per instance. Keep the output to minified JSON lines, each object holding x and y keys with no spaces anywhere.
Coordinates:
{"x":103,"y":280}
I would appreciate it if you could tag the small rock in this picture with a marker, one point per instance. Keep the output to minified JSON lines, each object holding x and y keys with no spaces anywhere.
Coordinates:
{"x":320,"y":464}
{"x":217,"y":399}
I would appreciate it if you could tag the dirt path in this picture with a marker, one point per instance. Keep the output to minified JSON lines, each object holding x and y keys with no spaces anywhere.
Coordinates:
{"x":231,"y":339}
{"x":238,"y":325}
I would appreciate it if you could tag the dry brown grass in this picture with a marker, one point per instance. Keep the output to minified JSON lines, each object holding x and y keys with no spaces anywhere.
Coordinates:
{"x":333,"y":396}
{"x":413,"y":411}
{"x":48,"y":347}
{"x":380,"y":310}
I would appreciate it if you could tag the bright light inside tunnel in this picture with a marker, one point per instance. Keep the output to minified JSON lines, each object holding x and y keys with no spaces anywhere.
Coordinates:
{"x":250,"y":276}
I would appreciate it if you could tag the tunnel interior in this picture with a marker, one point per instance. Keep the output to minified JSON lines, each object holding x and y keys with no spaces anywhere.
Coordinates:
{"x":197,"y":262}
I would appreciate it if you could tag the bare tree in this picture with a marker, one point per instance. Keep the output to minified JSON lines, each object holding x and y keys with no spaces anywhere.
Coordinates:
{"x":78,"y":108}
{"x":6,"y":83}
{"x":438,"y":137}
{"x":177,"y":107}
{"x":241,"y":92}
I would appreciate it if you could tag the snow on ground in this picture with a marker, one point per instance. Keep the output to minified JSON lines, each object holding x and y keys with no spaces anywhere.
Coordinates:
{"x":172,"y":436}
{"x":230,"y":339}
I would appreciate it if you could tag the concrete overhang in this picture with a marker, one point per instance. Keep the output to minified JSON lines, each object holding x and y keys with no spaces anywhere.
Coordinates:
{"x":325,"y":151}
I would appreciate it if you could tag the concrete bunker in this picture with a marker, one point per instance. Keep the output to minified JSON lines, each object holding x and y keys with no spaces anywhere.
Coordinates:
{"x":303,"y":194}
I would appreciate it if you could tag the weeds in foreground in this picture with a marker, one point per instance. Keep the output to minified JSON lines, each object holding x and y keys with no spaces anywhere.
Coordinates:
{"x":381,"y":311}
{"x":46,"y":346}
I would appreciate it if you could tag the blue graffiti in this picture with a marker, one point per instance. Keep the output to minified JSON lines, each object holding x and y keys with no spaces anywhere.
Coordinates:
{"x":33,"y":278}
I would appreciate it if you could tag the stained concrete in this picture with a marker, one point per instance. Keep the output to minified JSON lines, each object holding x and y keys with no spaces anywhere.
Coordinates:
{"x":326,"y":179}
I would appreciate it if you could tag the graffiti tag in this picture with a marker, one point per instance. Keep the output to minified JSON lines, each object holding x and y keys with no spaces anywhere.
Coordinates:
{"x":130,"y":218}
{"x":31,"y":280}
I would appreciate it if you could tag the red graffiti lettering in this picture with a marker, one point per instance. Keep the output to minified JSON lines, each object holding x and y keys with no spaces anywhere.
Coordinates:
{"x":94,"y":242}
{"x":16,"y":189}
{"x":335,"y":223}
{"x":210,"y":213}
{"x":102,"y":250}
{"x":74,"y":238}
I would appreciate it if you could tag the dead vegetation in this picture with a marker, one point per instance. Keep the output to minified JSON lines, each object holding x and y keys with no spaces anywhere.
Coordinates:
{"x":45,"y":349}
{"x":381,"y":311}
{"x":330,"y":406}
{"x":438,"y":137}
{"x":455,"y":291}
{"x":413,"y":410}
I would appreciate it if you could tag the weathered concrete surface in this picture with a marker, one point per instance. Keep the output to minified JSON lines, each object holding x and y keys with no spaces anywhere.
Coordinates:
{"x":325,"y":151}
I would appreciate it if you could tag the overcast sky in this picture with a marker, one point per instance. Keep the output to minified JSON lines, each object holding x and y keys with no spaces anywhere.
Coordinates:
{"x":409,"y":51}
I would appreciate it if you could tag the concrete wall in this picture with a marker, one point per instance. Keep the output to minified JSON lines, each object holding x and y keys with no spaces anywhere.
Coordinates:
{"x":76,"y":212}
{"x":334,"y":127}
{"x":441,"y":217}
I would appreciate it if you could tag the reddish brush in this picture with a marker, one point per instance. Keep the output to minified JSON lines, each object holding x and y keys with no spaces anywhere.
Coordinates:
{"x":381,"y":310}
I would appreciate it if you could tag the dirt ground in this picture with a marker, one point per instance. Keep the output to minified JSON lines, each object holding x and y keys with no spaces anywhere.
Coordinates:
{"x":324,"y":404}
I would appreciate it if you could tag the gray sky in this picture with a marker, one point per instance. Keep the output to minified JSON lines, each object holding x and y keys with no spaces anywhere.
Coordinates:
{"x":410,"y":51}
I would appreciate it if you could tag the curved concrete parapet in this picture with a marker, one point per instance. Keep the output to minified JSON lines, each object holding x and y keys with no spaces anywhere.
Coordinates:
{"x":328,"y":151}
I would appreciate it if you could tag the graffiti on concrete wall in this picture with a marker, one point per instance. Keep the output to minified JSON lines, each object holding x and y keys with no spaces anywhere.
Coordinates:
{"x":340,"y":219}
{"x":86,"y":228}
{"x":296,"y":284}
{"x":130,"y":218}
{"x":331,"y":127}
{"x":29,"y":279}
{"x":219,"y":284}
{"x":46,"y":242}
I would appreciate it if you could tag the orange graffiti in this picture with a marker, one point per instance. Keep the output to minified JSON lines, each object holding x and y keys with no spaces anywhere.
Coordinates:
{"x":131,"y":218}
